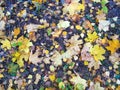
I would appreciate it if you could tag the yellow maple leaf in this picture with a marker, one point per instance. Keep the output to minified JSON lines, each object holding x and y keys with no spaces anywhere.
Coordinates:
{"x":6,"y":44}
{"x":91,"y":37}
{"x":97,"y":52}
{"x":25,"y":44}
{"x":52,"y":77}
{"x":18,"y":58}
{"x":113,"y":45}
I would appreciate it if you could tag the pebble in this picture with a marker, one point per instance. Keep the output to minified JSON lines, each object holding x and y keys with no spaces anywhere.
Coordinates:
{"x":64,"y":59}
{"x":110,"y":68}
{"x":82,"y":35}
{"x":107,"y":73}
{"x":34,"y":69}
{"x":118,"y":81}
{"x":69,"y":72}
{"x":112,"y":25}
{"x":75,"y":57}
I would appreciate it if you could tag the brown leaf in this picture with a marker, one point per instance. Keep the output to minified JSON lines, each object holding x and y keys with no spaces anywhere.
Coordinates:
{"x":34,"y":57}
{"x":2,"y":35}
{"x":32,"y":36}
{"x":2,"y":87}
{"x":87,"y":25}
{"x":57,"y":33}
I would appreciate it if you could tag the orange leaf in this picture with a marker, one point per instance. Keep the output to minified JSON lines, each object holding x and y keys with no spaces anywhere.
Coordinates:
{"x":16,"y":31}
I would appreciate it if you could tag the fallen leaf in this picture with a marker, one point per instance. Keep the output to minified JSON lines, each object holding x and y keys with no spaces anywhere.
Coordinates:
{"x":25,"y":44}
{"x":61,"y":85}
{"x":57,"y":33}
{"x":79,"y":87}
{"x":6,"y":44}
{"x":91,"y":37}
{"x":87,"y":25}
{"x":56,"y":58}
{"x":85,"y":54}
{"x":19,"y":58}
{"x":78,"y":80}
{"x":98,"y":87}
{"x":104,"y":25}
{"x":22,"y":13}
{"x":2,"y":35}
{"x":114,"y":44}
{"x":118,"y":88}
{"x":32,"y":27}
{"x":97,"y":52}
{"x":1,"y":75}
{"x":16,"y":31}
{"x":12,"y":69}
{"x":52,"y":77}
{"x":94,"y":64}
{"x":114,"y":57}
{"x":74,"y":7}
{"x":2,"y":87}
{"x":33,"y":58}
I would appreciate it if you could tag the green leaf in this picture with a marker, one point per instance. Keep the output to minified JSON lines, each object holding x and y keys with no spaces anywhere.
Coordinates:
{"x":49,"y":32}
{"x":41,"y":88}
{"x":72,"y":64}
{"x":79,"y":87}
{"x":66,"y":66}
{"x":61,"y":85}
{"x":12,"y":69}
{"x":19,"y":43}
{"x":14,"y":44}
{"x":58,"y":80}
{"x":105,"y":9}
{"x":103,"y":2}
{"x":69,"y":87}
